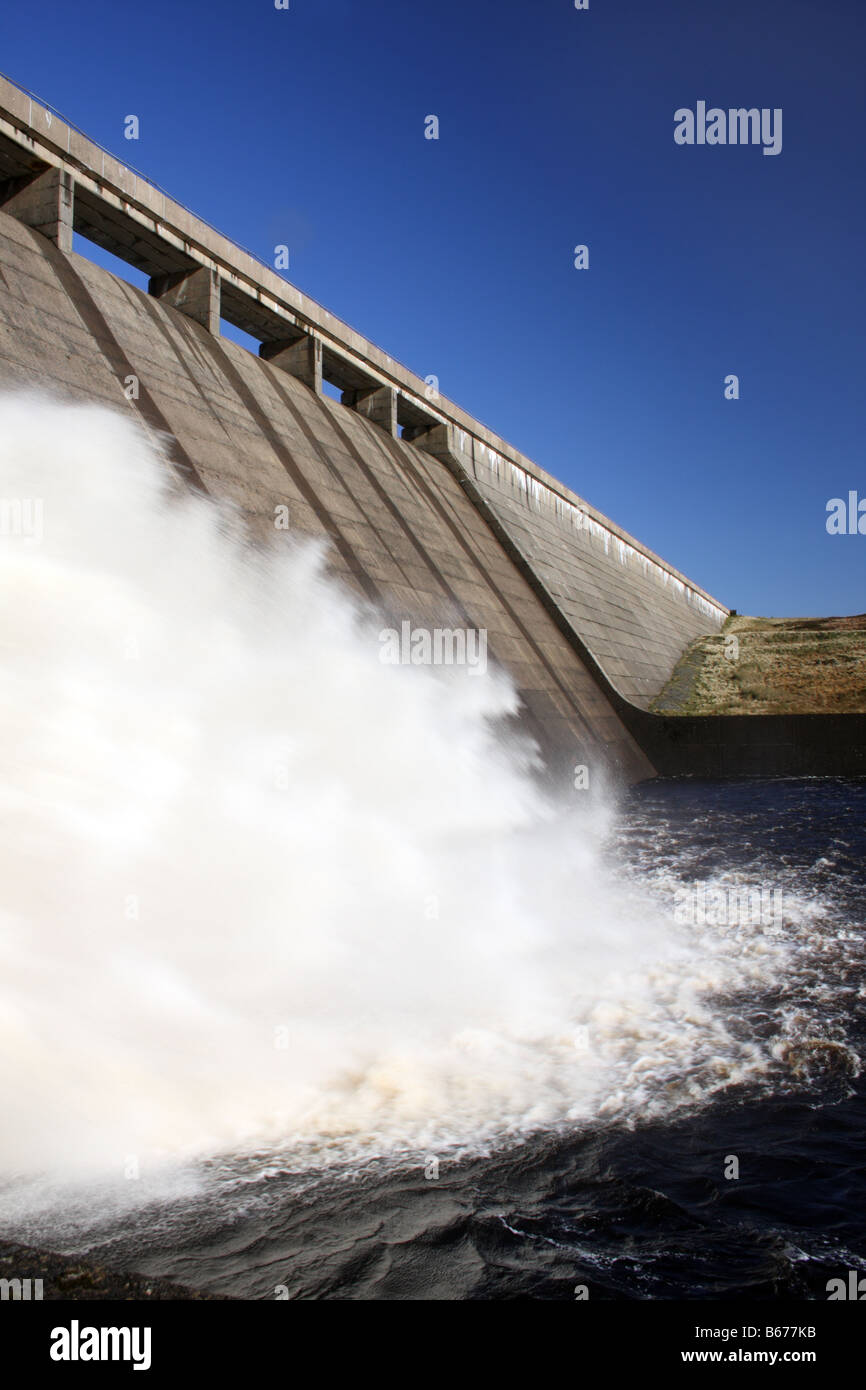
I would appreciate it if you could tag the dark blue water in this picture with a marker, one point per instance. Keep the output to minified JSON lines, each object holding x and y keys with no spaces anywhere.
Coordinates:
{"x":643,"y":1210}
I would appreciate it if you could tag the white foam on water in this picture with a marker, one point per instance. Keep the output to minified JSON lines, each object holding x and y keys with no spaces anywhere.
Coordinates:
{"x":258,"y":889}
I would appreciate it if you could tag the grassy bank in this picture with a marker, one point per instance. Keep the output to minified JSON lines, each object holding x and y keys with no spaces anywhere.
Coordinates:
{"x":772,"y":666}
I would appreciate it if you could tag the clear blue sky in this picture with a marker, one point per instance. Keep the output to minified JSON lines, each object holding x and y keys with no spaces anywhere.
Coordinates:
{"x":306,"y":126}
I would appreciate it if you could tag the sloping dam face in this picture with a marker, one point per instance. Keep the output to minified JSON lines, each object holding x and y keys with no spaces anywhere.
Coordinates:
{"x":428,"y":515}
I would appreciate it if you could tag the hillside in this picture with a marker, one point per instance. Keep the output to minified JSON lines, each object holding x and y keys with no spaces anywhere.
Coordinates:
{"x":772,"y":666}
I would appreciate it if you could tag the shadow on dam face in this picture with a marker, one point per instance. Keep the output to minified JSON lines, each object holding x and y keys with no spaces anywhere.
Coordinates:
{"x":428,"y":516}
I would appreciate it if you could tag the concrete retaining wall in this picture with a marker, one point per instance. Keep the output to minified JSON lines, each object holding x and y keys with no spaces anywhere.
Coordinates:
{"x":752,"y":745}
{"x":633,"y":613}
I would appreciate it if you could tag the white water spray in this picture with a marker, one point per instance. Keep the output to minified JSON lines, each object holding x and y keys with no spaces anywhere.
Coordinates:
{"x":259,"y":889}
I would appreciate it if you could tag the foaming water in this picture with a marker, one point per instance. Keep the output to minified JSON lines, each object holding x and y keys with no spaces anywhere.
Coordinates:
{"x":262,"y":894}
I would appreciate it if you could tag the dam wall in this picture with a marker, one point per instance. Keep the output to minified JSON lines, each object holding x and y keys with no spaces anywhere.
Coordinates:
{"x":402,"y":533}
{"x":428,"y":514}
{"x":631,"y":612}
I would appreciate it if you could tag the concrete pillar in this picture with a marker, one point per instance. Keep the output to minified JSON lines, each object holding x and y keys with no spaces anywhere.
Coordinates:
{"x":195,"y":293}
{"x":302,"y":358}
{"x":45,"y":203}
{"x":380,"y":406}
{"x":447,"y":443}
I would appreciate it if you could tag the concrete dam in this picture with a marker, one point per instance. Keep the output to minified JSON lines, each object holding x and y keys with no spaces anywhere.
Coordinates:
{"x":428,"y":514}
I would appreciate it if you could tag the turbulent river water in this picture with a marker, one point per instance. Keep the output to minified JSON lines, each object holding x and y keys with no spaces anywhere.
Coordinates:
{"x":307,"y":986}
